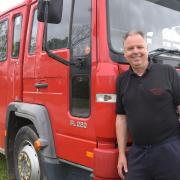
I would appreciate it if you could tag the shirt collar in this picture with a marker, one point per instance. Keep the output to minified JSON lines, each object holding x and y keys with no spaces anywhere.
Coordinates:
{"x":147,"y":69}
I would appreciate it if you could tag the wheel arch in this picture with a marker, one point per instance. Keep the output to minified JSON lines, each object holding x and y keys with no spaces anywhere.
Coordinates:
{"x":20,"y":114}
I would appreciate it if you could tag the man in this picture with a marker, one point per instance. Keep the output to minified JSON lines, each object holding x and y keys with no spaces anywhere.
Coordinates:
{"x":148,"y":97}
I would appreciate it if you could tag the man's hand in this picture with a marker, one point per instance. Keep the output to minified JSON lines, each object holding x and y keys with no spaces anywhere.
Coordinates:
{"x":122,"y":166}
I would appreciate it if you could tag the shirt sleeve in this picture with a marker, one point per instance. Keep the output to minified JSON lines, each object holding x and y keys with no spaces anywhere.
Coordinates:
{"x":175,"y":83}
{"x":119,"y":95}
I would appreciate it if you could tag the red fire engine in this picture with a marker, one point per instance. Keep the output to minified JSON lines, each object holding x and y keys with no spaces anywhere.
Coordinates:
{"x":58,"y":65}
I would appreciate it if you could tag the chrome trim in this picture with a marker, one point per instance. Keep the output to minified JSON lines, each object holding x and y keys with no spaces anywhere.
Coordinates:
{"x":106,"y":98}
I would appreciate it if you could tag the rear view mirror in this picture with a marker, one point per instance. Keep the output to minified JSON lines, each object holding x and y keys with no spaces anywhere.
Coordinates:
{"x":55,"y":8}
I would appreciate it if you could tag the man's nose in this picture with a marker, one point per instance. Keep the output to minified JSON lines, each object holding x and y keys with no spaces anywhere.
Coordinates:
{"x":135,"y":50}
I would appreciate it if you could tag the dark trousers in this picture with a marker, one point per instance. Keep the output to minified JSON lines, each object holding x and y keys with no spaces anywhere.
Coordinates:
{"x":155,"y":162}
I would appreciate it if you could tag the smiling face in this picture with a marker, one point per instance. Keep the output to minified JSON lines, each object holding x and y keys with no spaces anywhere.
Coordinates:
{"x":135,"y":51}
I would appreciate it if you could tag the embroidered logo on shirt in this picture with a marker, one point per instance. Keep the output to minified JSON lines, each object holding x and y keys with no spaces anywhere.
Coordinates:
{"x":157,"y":91}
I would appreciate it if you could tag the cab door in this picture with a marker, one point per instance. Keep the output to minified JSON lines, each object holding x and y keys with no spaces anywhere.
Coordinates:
{"x":13,"y":29}
{"x":52,"y":77}
{"x":4,"y":29}
{"x":31,"y":50}
{"x":65,"y":90}
{"x":19,"y":19}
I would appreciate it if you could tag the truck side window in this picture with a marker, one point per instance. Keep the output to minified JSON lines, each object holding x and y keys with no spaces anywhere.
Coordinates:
{"x":34,"y":28}
{"x":16,"y":36}
{"x":3,"y":39}
{"x":80,"y":40}
{"x":58,"y":34}
{"x":80,"y":49}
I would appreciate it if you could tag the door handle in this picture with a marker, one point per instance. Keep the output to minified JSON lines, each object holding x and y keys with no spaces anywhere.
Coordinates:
{"x":41,"y":85}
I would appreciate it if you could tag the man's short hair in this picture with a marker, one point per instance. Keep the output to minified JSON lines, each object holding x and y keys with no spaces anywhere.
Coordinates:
{"x":130,"y":33}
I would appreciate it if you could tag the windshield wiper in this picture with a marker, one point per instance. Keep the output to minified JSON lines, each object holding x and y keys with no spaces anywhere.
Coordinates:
{"x":159,"y":51}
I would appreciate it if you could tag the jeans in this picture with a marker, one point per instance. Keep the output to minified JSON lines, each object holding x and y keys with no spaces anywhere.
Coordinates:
{"x":155,"y":162}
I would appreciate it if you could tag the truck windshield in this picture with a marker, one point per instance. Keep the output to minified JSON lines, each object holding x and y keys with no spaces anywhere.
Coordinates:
{"x":159,"y":20}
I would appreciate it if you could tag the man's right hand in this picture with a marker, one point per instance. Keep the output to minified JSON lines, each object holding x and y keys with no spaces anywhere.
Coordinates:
{"x":122,"y":166}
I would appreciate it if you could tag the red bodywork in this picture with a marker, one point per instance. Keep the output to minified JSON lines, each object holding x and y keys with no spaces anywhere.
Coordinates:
{"x":94,"y":146}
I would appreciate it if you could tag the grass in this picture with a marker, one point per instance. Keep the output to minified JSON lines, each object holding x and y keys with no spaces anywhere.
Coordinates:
{"x":3,"y":169}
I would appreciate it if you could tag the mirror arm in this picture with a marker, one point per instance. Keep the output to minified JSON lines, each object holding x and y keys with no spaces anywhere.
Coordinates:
{"x":51,"y":54}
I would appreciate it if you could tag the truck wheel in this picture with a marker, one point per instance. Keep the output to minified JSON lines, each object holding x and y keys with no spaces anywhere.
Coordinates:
{"x":26,"y":159}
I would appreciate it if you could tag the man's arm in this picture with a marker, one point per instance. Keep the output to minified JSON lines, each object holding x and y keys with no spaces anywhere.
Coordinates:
{"x":121,"y":134}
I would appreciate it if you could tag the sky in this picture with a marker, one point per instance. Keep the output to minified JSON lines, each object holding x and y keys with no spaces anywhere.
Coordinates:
{"x":6,"y":4}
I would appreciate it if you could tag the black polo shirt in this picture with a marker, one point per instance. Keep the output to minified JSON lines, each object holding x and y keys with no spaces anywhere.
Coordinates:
{"x":150,"y":103}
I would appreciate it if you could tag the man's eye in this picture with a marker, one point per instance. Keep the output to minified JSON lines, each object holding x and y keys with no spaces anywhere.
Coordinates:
{"x":130,"y":49}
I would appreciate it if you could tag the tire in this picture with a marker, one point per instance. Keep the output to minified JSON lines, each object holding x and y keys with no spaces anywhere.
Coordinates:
{"x":26,"y":159}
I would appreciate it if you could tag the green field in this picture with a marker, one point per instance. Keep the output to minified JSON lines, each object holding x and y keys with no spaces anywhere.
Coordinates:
{"x":3,"y":170}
